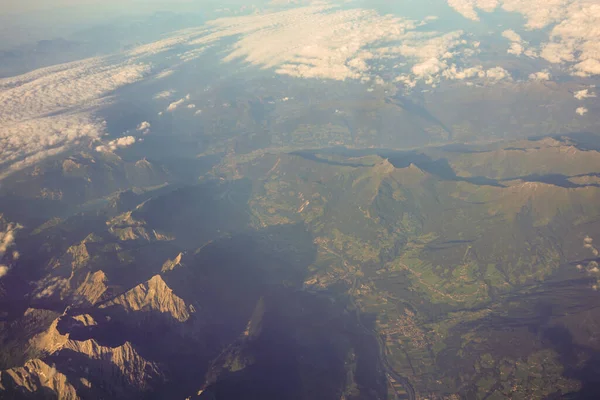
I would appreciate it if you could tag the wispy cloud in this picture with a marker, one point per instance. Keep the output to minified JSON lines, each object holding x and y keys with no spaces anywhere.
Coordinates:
{"x":7,"y":242}
{"x":164,"y":94}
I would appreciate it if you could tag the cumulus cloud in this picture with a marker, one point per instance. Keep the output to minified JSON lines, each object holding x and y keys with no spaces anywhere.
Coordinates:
{"x":512,"y":36}
{"x":173,"y":106}
{"x":539,"y":13}
{"x":583,"y":94}
{"x":518,"y":46}
{"x":320,"y":41}
{"x":190,"y":106}
{"x":144,"y":127}
{"x":581,"y":110}
{"x":573,"y":38}
{"x":543,"y":75}
{"x":497,"y":73}
{"x":119,"y":143}
{"x":493,"y":74}
{"x":468,"y":8}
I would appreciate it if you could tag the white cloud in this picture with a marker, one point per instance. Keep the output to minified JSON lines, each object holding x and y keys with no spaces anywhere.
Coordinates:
{"x":518,"y":46}
{"x":573,"y":38}
{"x":49,"y":109}
{"x":516,"y":49}
{"x":164,"y":94}
{"x":191,"y":106}
{"x":491,"y":74}
{"x":581,"y":110}
{"x":543,"y":75}
{"x":329,"y":43}
{"x":587,"y":67}
{"x":173,"y":106}
{"x":119,"y":143}
{"x":539,"y":13}
{"x":497,"y":73}
{"x":512,"y":36}
{"x":164,"y":74}
{"x":144,"y":127}
{"x":468,"y":8}
{"x":583,"y":94}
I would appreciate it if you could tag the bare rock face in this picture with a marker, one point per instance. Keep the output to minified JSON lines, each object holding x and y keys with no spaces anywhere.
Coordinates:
{"x":49,"y":341}
{"x":153,"y":296}
{"x":170,"y":265}
{"x":93,"y":287}
{"x":73,"y":369}
{"x":118,"y":364}
{"x":38,"y":380}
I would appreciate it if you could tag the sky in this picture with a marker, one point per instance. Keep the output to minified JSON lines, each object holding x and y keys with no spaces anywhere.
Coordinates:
{"x":23,"y":6}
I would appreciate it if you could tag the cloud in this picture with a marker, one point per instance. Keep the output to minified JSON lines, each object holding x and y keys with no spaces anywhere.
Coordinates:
{"x":119,"y":143}
{"x":583,"y":94}
{"x":191,"y":106}
{"x":587,"y":67}
{"x":7,"y":241}
{"x":538,"y":13}
{"x":497,"y":73}
{"x":512,"y":36}
{"x":518,"y":46}
{"x":493,"y":74}
{"x":144,"y":127}
{"x":320,"y":41}
{"x":468,"y":8}
{"x":164,"y":94}
{"x":581,"y":110}
{"x":572,"y":40}
{"x":173,"y":106}
{"x":49,"y":109}
{"x":543,"y":75}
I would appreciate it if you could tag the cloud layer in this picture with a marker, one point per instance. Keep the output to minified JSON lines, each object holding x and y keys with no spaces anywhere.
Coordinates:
{"x":573,"y":38}
{"x":46,"y":111}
